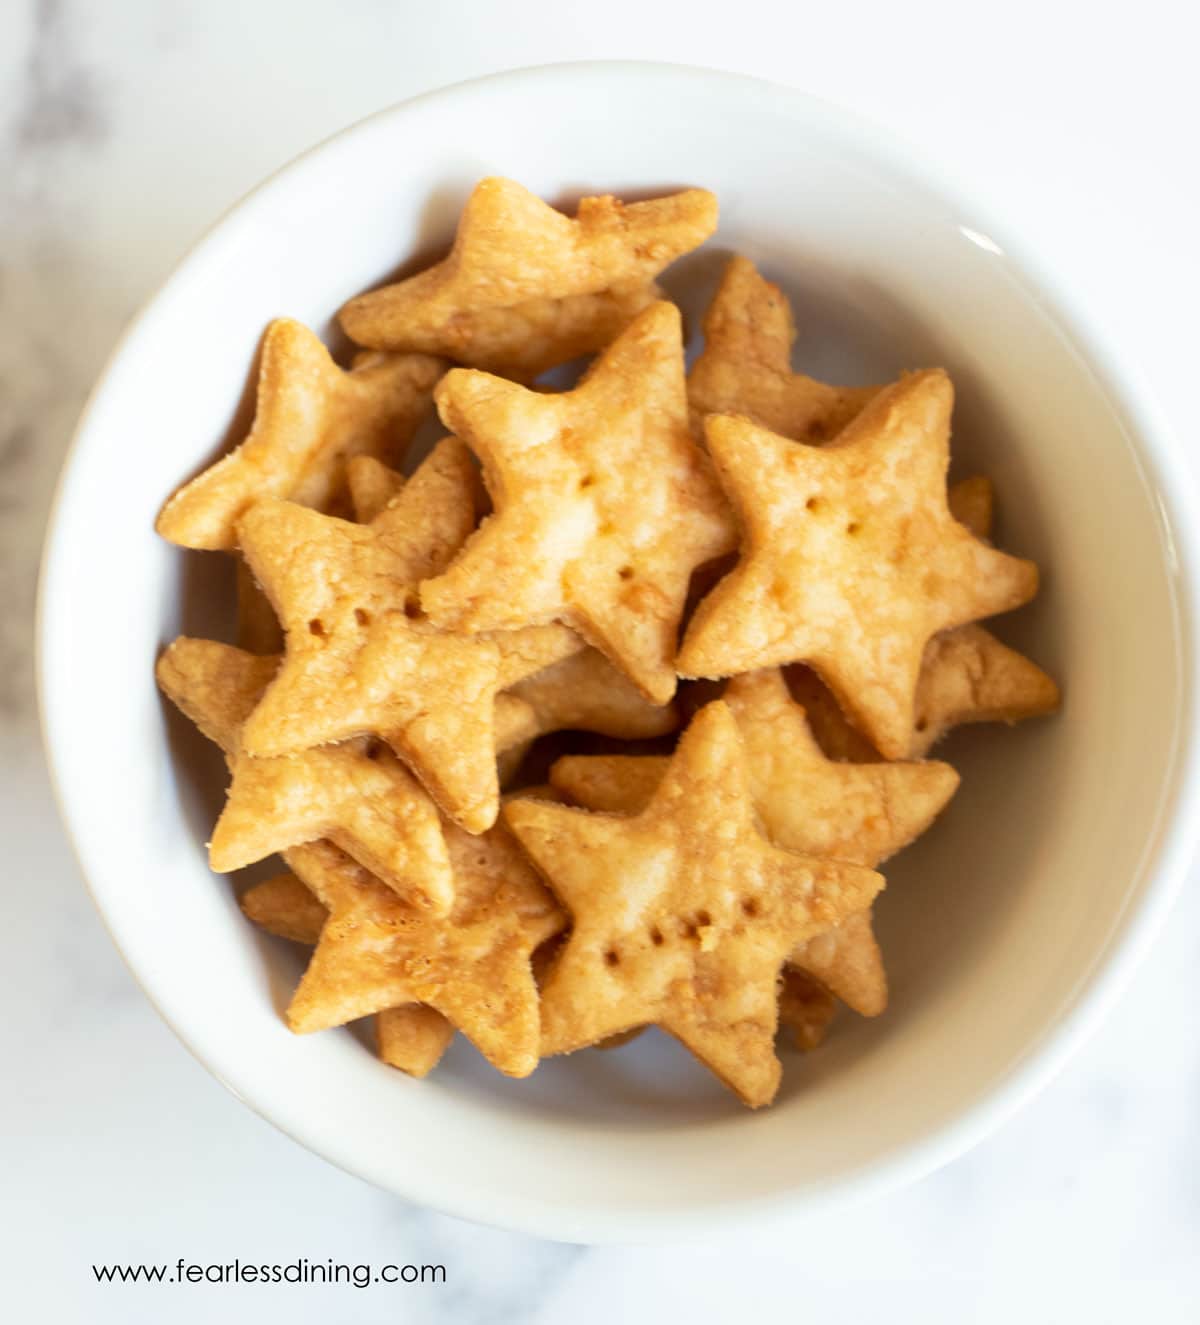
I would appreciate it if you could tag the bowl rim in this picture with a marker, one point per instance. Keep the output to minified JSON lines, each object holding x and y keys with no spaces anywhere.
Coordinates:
{"x":1170,"y":847}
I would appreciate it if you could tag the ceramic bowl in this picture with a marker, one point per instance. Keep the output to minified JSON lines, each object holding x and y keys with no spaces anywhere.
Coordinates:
{"x":1006,"y":930}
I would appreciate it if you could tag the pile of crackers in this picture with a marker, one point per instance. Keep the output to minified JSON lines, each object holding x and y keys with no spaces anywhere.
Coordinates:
{"x":753,"y":586}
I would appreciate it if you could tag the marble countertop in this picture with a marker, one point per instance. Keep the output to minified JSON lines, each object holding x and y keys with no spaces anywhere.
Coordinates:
{"x":124,"y":130}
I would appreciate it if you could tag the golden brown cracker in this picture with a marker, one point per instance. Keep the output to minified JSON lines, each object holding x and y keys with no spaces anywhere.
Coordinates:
{"x":832,"y":729}
{"x":967,"y":674}
{"x":524,"y":340}
{"x":620,"y":1039}
{"x":603,"y":505}
{"x":518,"y":725}
{"x":310,"y":417}
{"x":585,"y":692}
{"x":360,"y":660}
{"x":545,"y":957}
{"x":356,"y":793}
{"x":682,"y":915}
{"x":411,"y":1037}
{"x":851,"y":560}
{"x":609,"y":784}
{"x":746,"y":365}
{"x":807,"y":802}
{"x":862,"y":813}
{"x":526,"y":287}
{"x":972,"y":502}
{"x":372,"y":486}
{"x":376,"y":952}
{"x":284,"y":906}
{"x":516,"y":722}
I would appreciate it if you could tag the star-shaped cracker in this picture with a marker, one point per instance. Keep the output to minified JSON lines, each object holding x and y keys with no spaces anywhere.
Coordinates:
{"x":356,"y":793}
{"x":684,"y":914}
{"x":846,"y":957}
{"x":851,"y":560}
{"x":311,"y":416}
{"x":373,"y":486}
{"x":522,"y":341}
{"x":604,"y":505}
{"x":525,"y":287}
{"x":585,"y":692}
{"x":967,"y":674}
{"x":746,"y":366}
{"x":473,"y":967}
{"x":863,"y":813}
{"x":359,"y":660}
{"x":286,"y":907}
{"x":972,"y":502}
{"x":411,"y":1037}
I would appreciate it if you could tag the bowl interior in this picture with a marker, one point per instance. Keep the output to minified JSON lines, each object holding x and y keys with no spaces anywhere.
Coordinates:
{"x":992,"y":926}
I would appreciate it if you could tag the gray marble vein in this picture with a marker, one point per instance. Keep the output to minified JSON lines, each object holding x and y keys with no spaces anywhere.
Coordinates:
{"x":53,"y":326}
{"x":61,"y":102}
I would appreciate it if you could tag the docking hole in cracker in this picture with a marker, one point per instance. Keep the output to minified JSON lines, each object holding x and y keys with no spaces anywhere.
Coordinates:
{"x":727,"y":613}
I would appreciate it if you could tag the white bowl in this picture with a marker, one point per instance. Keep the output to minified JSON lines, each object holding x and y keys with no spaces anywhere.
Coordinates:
{"x":1007,"y":930}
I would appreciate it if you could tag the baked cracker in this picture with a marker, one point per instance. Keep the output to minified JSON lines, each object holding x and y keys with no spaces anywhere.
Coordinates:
{"x":360,"y":660}
{"x":684,"y":914}
{"x":585,"y":692}
{"x":372,"y":485}
{"x":311,"y":416}
{"x":862,"y":813}
{"x":356,"y":793}
{"x":286,"y":907}
{"x":411,"y":1037}
{"x":851,"y":560}
{"x":746,"y":365}
{"x":967,"y":674}
{"x":526,"y":287}
{"x":473,"y":967}
{"x":604,"y":505}
{"x":972,"y":502}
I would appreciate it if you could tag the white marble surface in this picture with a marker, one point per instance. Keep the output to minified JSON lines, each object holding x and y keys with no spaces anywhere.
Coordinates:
{"x":124,"y":130}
